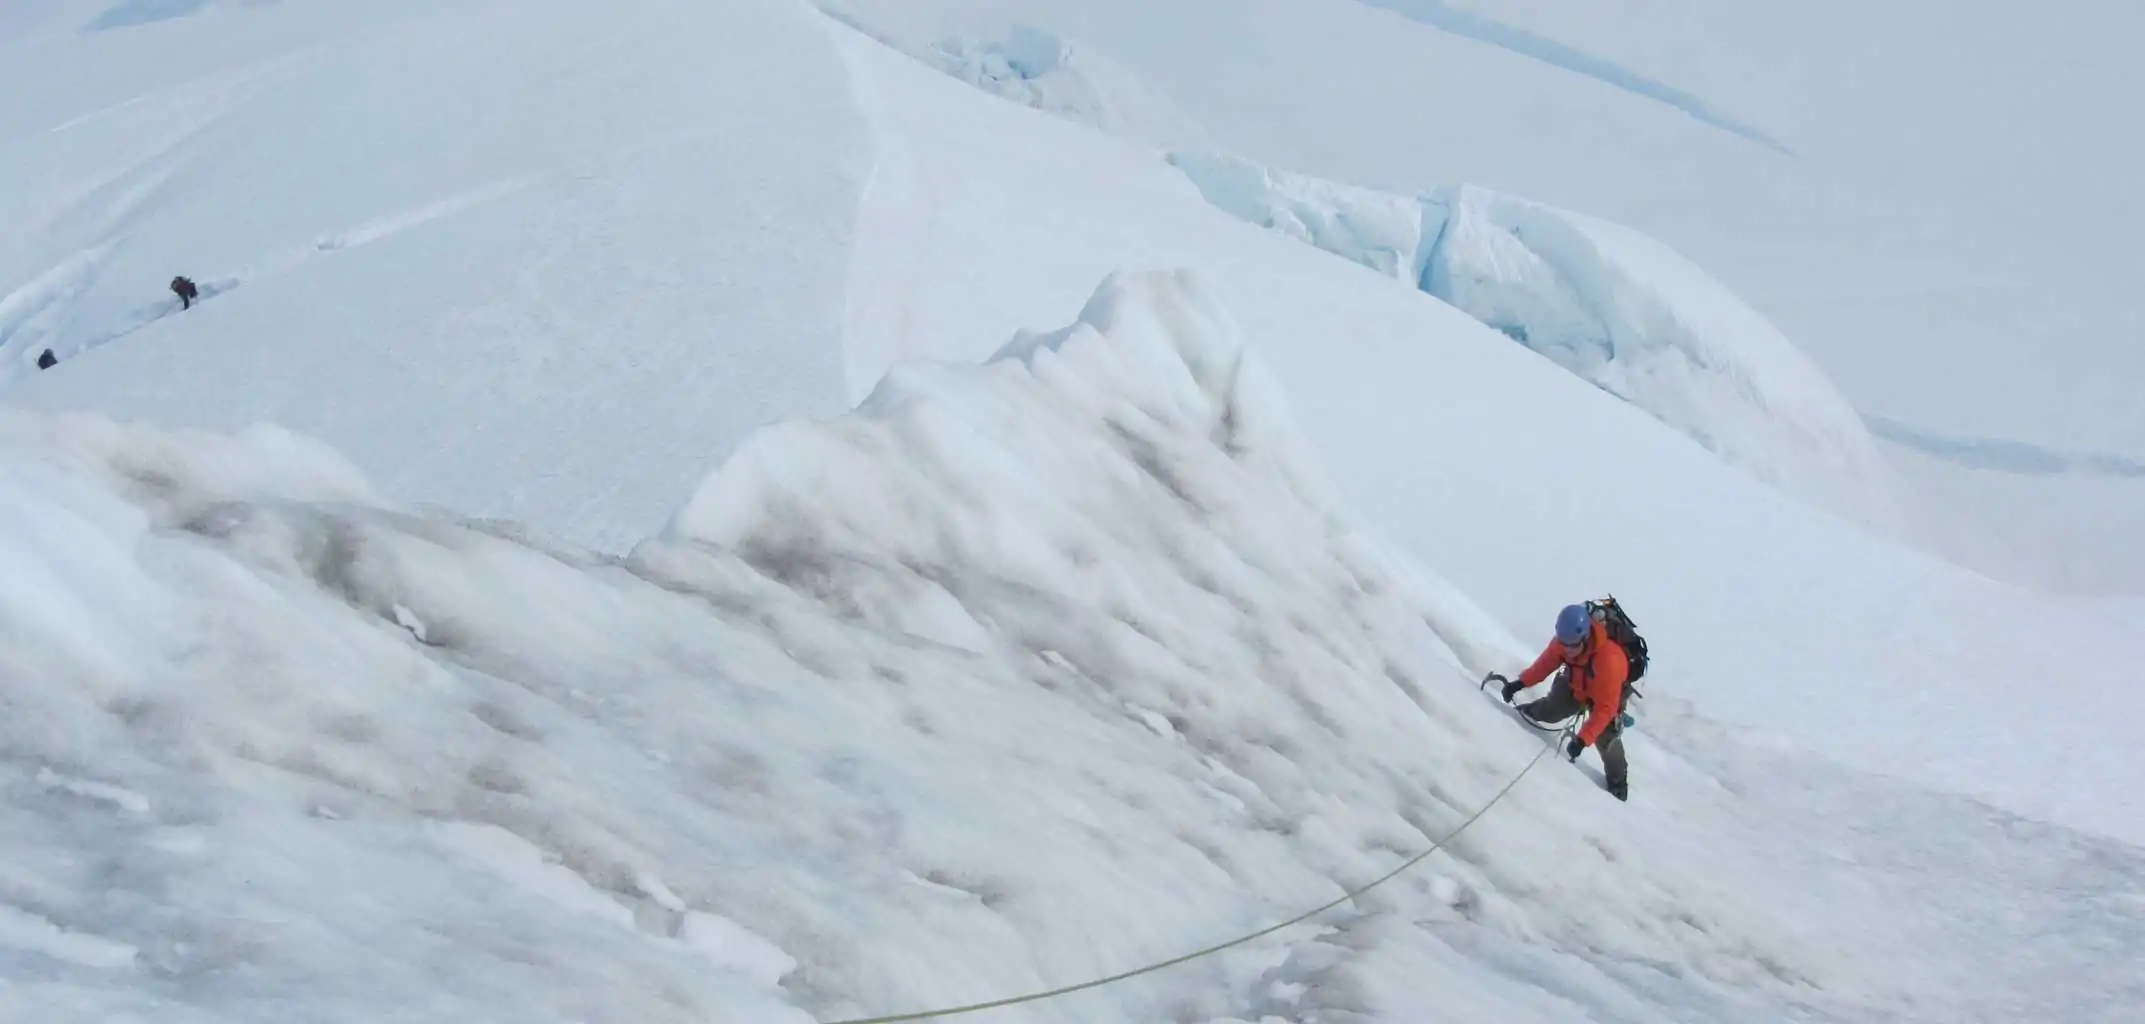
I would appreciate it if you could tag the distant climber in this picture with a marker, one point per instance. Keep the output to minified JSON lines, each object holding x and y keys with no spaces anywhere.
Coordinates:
{"x":184,"y":288}
{"x":47,"y":360}
{"x":1591,"y":672}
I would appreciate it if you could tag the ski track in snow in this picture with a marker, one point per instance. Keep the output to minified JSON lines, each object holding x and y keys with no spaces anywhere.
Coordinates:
{"x":394,"y":224}
{"x":47,"y":297}
{"x":59,"y":309}
{"x":1481,"y":28}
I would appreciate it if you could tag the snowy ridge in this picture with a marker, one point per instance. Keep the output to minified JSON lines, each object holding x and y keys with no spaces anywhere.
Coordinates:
{"x":1041,"y":668}
{"x":1609,"y":304}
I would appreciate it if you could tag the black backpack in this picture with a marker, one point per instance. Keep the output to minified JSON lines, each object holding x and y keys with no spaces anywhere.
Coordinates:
{"x":1626,"y":634}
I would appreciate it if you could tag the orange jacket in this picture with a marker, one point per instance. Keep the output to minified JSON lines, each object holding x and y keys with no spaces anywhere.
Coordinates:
{"x":1597,"y":679}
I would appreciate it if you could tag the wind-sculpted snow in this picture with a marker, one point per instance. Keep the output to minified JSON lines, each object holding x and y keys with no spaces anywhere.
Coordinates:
{"x":1020,"y":674}
{"x":1613,"y":306}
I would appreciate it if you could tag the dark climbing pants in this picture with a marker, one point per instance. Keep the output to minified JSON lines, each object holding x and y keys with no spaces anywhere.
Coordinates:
{"x":1560,"y":705}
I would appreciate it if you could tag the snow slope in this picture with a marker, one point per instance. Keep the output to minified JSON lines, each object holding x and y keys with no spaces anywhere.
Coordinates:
{"x":1887,"y":240}
{"x":979,"y":218}
{"x":2057,"y":519}
{"x":1949,"y":240}
{"x":540,"y":242}
{"x":1609,"y":304}
{"x":2052,"y":519}
{"x":1777,"y":618}
{"x":1018,"y":674}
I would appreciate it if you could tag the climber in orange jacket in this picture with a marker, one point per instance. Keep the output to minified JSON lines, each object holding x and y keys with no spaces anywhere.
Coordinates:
{"x":1593,"y":671}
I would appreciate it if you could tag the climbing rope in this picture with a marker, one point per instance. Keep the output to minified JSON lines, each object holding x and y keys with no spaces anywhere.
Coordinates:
{"x":1036,"y":997}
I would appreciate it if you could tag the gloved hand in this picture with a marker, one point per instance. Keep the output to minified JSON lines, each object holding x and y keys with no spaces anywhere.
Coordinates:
{"x":1573,"y":749}
{"x":1512,"y":688}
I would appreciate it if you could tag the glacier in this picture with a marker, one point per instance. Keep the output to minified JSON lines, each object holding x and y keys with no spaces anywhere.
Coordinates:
{"x":1877,"y":249}
{"x":1617,"y":308}
{"x":709,"y":549}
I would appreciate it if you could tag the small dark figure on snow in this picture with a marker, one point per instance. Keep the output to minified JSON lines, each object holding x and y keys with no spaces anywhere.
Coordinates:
{"x":184,"y":288}
{"x":47,"y":360}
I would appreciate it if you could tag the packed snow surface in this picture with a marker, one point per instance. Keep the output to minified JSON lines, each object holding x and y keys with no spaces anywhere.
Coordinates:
{"x":1020,"y":674}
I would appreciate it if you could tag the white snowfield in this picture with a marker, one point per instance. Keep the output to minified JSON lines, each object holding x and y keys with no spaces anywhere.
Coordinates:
{"x":1018,"y":675}
{"x":456,"y":271}
{"x":1607,"y":303}
{"x":482,"y":606}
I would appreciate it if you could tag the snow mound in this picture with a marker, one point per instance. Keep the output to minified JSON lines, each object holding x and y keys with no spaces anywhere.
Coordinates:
{"x":1020,"y":674}
{"x":1151,"y":365}
{"x":1617,"y":308}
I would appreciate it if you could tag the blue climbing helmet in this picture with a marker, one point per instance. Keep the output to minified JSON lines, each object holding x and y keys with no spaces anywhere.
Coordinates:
{"x":1574,"y":623}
